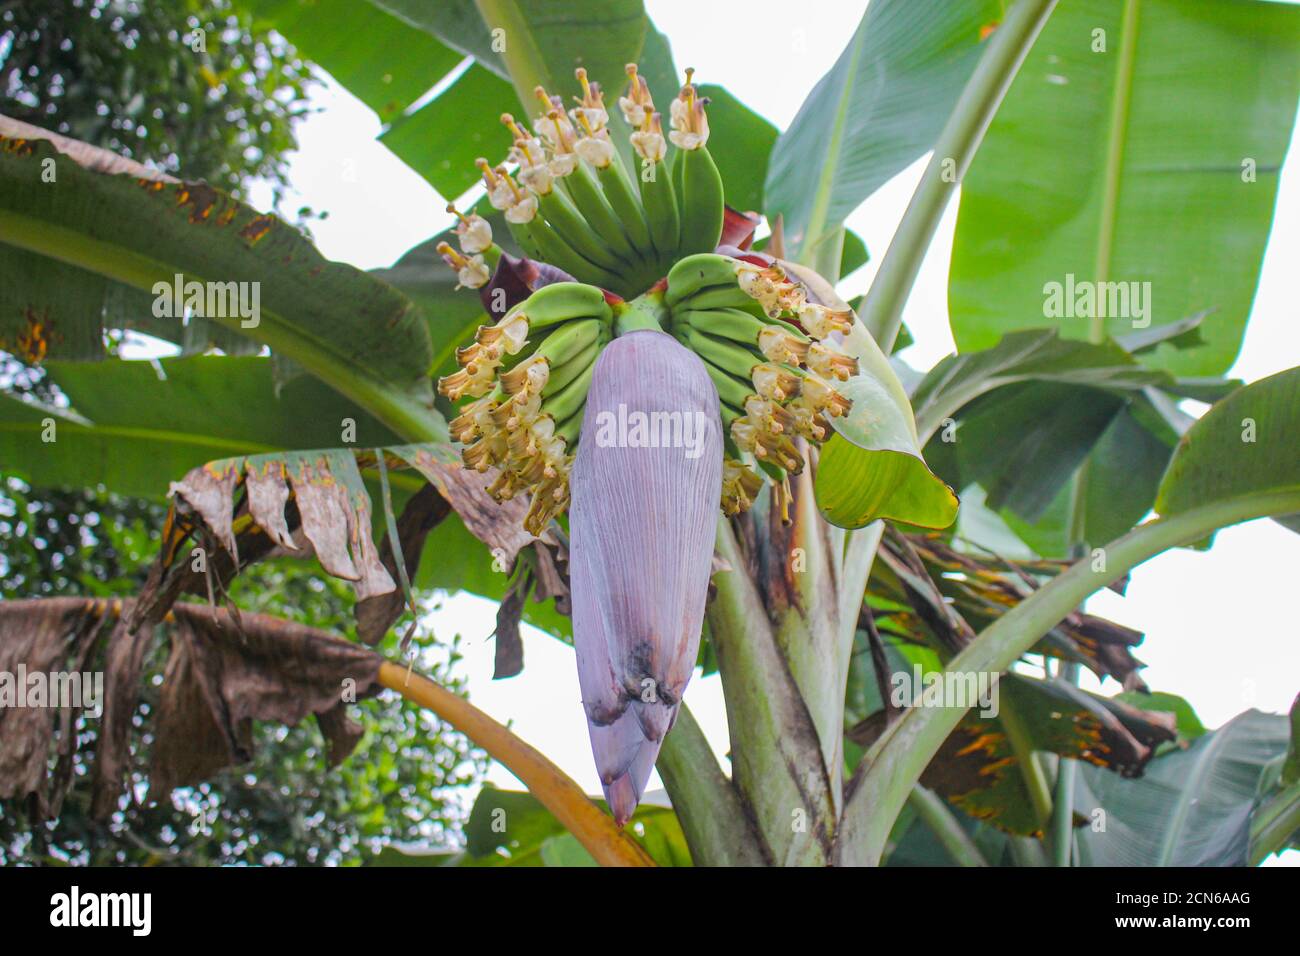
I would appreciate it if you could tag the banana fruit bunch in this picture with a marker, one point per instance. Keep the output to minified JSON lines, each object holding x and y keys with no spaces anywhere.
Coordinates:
{"x":772,"y":356}
{"x":528,"y":375}
{"x":574,"y":201}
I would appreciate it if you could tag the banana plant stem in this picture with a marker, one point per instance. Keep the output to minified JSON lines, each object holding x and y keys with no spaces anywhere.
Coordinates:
{"x":934,"y":813}
{"x":646,"y":311}
{"x":595,"y":830}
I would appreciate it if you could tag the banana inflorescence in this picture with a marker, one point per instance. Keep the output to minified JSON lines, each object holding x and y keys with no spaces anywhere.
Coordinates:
{"x":615,"y":218}
{"x":747,"y":381}
{"x":528,"y":376}
{"x":772,"y":356}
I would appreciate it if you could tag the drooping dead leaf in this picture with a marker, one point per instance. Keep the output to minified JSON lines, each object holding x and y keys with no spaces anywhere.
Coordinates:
{"x":977,"y":769}
{"x":955,"y":594}
{"x":499,"y":525}
{"x":551,"y":555}
{"x":222,"y":675}
{"x":208,"y":492}
{"x":219,"y":681}
{"x":315,"y":503}
{"x":123,"y":670}
{"x":509,"y":659}
{"x":40,"y":639}
{"x":423,"y":512}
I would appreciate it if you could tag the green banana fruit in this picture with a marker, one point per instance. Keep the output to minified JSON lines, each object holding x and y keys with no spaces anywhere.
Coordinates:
{"x":696,"y":273}
{"x":563,"y":217}
{"x":563,"y":374}
{"x":553,"y":249}
{"x":626,"y":203}
{"x":723,"y":297}
{"x":568,"y":341}
{"x":734,"y":325}
{"x":592,"y":203}
{"x":661,"y":211}
{"x":569,"y":400}
{"x":728,"y":356}
{"x":731,"y":390}
{"x":523,"y":236}
{"x":562,"y":301}
{"x":701,"y":201}
{"x":571,"y":427}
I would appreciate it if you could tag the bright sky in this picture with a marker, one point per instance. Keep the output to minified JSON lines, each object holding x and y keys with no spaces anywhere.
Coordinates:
{"x":1221,"y":627}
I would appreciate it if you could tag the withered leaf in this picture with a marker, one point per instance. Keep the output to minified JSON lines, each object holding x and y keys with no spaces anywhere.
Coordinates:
{"x":423,"y":512}
{"x":510,"y":646}
{"x":41,"y":637}
{"x":123,"y":670}
{"x":209,"y":492}
{"x":222,"y":675}
{"x":218,"y":681}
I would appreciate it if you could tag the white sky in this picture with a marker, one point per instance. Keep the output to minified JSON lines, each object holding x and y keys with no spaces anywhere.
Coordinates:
{"x":1221,"y":627}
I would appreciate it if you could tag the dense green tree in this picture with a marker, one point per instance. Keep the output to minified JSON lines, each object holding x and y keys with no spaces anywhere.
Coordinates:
{"x":190,"y":85}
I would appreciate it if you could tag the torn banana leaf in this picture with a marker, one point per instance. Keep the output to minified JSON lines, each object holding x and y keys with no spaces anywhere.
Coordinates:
{"x":977,"y":771}
{"x":224,"y":673}
{"x":315,"y":503}
{"x":113,"y":239}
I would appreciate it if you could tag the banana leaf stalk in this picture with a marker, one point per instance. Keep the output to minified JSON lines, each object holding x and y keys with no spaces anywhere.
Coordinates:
{"x":645,"y":485}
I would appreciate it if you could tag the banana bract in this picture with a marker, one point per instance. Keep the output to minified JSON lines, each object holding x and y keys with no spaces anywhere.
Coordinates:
{"x":645,"y":489}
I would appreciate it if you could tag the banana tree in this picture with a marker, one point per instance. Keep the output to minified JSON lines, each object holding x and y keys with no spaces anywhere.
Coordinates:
{"x":677,"y":440}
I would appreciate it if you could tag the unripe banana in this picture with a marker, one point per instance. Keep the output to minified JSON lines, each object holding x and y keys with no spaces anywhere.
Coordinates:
{"x":568,"y":341}
{"x":701,"y":201}
{"x":697,"y":272}
{"x":728,"y":356}
{"x":661,"y":212}
{"x":523,"y":236}
{"x":571,"y":427}
{"x":568,"y":401}
{"x":599,"y":212}
{"x":543,"y":243}
{"x":561,"y":301}
{"x":563,"y":374}
{"x":626,"y":204}
{"x":734,"y":325}
{"x":731,"y":390}
{"x":723,"y":297}
{"x":569,"y":225}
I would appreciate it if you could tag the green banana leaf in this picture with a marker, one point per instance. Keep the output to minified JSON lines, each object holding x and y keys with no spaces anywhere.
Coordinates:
{"x":1245,"y":445}
{"x":1031,"y":355}
{"x":510,"y":828}
{"x":326,"y":32}
{"x":121,"y":228}
{"x":879,"y":108}
{"x":394,"y":69}
{"x":136,"y":426}
{"x":1034,"y":407}
{"x":1123,"y":468}
{"x":1191,"y":808}
{"x":524,"y":44}
{"x":1132,"y":147}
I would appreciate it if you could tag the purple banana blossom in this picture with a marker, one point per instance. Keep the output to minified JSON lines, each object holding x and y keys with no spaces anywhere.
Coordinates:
{"x":645,"y":486}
